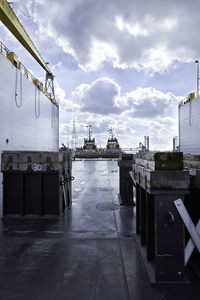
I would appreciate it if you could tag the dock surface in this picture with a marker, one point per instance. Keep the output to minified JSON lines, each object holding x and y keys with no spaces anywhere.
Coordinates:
{"x":90,"y":254}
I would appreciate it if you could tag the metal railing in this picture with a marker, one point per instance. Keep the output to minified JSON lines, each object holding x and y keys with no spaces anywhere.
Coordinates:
{"x":189,"y":98}
{"x":5,"y":51}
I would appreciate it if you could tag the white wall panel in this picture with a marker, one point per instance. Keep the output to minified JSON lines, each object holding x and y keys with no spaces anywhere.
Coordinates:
{"x":19,"y":124}
{"x":189,"y":127}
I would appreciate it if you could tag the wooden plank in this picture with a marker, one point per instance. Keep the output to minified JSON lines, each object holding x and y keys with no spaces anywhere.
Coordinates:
{"x":160,"y":179}
{"x":160,"y":156}
{"x":160,"y":160}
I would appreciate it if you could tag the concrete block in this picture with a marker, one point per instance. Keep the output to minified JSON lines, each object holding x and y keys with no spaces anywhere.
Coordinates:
{"x":24,"y":160}
{"x":33,"y":156}
{"x":35,"y":167}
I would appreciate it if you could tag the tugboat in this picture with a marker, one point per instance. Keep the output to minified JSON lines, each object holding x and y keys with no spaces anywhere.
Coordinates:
{"x":89,"y":143}
{"x":112,"y":143}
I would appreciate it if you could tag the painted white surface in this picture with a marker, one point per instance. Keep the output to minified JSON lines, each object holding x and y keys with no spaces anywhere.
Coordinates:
{"x":189,"y":127}
{"x":20,"y":125}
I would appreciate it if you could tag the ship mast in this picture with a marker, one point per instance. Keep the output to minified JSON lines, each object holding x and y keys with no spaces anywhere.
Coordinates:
{"x":89,"y":131}
{"x":110,"y":130}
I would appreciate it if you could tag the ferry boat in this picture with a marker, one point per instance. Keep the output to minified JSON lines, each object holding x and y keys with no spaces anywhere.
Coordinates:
{"x":89,"y":143}
{"x":112,"y":143}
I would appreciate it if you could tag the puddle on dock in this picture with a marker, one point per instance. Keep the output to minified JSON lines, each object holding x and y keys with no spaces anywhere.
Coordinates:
{"x":107,"y":206}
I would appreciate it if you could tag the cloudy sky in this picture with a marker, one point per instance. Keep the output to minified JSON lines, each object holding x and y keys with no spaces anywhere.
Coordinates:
{"x":117,"y":63}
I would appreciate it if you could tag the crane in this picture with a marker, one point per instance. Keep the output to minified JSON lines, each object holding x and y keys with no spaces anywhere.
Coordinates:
{"x":10,"y":20}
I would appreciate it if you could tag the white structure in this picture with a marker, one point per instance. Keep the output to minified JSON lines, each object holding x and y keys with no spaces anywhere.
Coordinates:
{"x":189,"y":124}
{"x":28,"y":119}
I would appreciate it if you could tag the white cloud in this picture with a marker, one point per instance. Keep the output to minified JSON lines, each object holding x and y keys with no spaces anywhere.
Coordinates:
{"x":128,"y":34}
{"x":144,"y":111}
{"x":99,"y":97}
{"x":150,"y":103}
{"x":65,"y":104}
{"x":146,"y":35}
{"x":103,"y":96}
{"x":56,"y":66}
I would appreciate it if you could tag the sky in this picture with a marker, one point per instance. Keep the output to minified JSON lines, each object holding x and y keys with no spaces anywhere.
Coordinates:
{"x":123,"y":64}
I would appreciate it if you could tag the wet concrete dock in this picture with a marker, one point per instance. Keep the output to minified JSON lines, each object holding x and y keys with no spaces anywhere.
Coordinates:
{"x":89,"y":254}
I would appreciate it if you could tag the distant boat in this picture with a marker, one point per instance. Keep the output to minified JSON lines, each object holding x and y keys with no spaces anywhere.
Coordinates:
{"x":89,"y":143}
{"x":112,"y":143}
